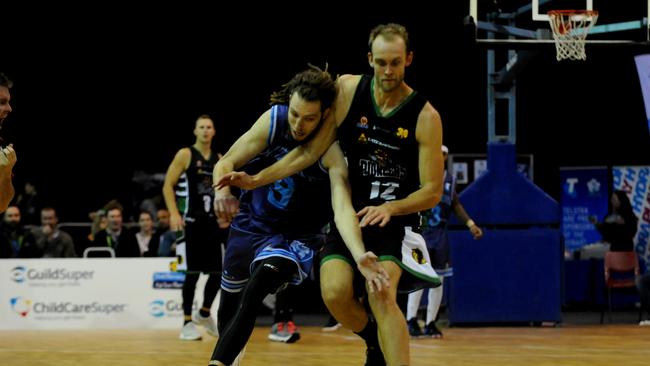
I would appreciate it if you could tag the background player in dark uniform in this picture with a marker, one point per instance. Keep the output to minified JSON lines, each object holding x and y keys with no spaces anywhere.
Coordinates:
{"x":7,"y":153}
{"x":392,"y":138}
{"x":433,"y":224}
{"x":277,"y":231}
{"x":188,"y":195}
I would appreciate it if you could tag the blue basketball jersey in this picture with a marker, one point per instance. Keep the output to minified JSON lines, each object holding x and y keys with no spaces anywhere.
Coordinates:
{"x":440,"y":214}
{"x":295,"y":206}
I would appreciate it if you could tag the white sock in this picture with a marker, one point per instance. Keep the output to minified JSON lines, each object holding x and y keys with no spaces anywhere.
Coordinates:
{"x":435,"y":298}
{"x":413,"y":304}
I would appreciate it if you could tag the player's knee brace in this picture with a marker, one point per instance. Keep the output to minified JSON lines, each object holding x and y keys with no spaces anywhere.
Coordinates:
{"x":271,"y":274}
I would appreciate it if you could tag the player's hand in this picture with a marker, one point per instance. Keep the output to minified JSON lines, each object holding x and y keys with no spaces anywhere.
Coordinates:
{"x":373,"y":215}
{"x":223,"y":224}
{"x":476,"y":231}
{"x":226,"y":206}
{"x":376,"y":276}
{"x":236,"y":179}
{"x":176,"y":222}
{"x":7,"y":158}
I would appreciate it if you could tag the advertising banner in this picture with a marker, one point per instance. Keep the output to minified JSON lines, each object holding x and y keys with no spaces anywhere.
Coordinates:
{"x":635,"y":181}
{"x":91,"y":293}
{"x":584,"y":193}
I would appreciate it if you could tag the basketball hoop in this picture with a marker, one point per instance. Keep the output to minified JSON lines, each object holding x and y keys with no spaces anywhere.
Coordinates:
{"x":570,"y":29}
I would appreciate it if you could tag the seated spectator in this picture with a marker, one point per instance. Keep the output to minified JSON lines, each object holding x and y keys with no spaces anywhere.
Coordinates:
{"x":115,"y":235}
{"x":162,"y":220}
{"x":12,"y":233}
{"x":619,"y":226}
{"x":167,"y":245}
{"x":99,"y":222}
{"x":47,"y":241}
{"x":148,"y":241}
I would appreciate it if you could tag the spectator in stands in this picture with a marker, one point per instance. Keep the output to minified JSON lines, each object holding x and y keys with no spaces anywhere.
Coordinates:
{"x":99,"y":223}
{"x":619,"y":226}
{"x":148,"y":241}
{"x":162,"y":220}
{"x":115,"y":235}
{"x":47,"y":241}
{"x":167,"y":245}
{"x":12,"y":233}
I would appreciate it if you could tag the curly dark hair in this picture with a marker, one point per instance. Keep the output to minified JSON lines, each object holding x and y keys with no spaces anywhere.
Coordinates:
{"x":4,"y":81}
{"x":313,"y":84}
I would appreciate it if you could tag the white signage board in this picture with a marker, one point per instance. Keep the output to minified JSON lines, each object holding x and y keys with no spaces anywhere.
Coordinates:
{"x":91,"y":293}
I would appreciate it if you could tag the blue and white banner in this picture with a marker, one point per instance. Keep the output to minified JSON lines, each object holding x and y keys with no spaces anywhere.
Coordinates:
{"x":635,"y":181}
{"x":584,"y":194}
{"x":643,"y":67}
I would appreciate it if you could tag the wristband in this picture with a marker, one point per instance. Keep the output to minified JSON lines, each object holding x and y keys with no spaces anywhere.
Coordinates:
{"x":470,"y":223}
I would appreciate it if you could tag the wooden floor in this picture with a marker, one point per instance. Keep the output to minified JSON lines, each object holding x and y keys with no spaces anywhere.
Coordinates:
{"x":529,"y":346}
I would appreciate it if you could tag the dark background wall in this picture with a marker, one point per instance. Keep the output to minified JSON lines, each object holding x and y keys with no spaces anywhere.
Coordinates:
{"x":115,"y":90}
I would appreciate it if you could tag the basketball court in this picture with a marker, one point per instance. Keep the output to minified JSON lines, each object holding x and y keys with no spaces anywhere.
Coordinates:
{"x":490,"y":346}
{"x":511,"y":33}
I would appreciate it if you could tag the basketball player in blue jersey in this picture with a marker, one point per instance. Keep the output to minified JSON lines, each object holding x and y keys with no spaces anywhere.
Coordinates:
{"x":277,"y":230}
{"x":391,"y":137}
{"x":188,"y":195}
{"x":7,"y":153}
{"x":433,"y":225}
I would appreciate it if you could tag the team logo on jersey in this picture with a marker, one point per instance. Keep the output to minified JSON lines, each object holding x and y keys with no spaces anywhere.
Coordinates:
{"x":362,"y":139}
{"x":402,"y":133}
{"x":363,"y":123}
{"x":377,"y":128}
{"x":418,"y":256}
{"x":381,"y":157}
{"x":371,"y":168}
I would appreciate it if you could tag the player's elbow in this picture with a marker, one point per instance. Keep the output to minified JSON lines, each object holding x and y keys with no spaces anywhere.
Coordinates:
{"x":309,"y":156}
{"x":432,"y":196}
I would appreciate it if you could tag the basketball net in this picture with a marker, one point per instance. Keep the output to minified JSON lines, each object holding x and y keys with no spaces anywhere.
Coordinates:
{"x":570,"y":29}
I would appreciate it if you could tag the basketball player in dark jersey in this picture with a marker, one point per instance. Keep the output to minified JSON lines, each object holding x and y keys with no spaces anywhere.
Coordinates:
{"x":433,"y":226}
{"x":392,"y":139}
{"x":7,"y":153}
{"x":277,"y":230}
{"x":188,"y":195}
